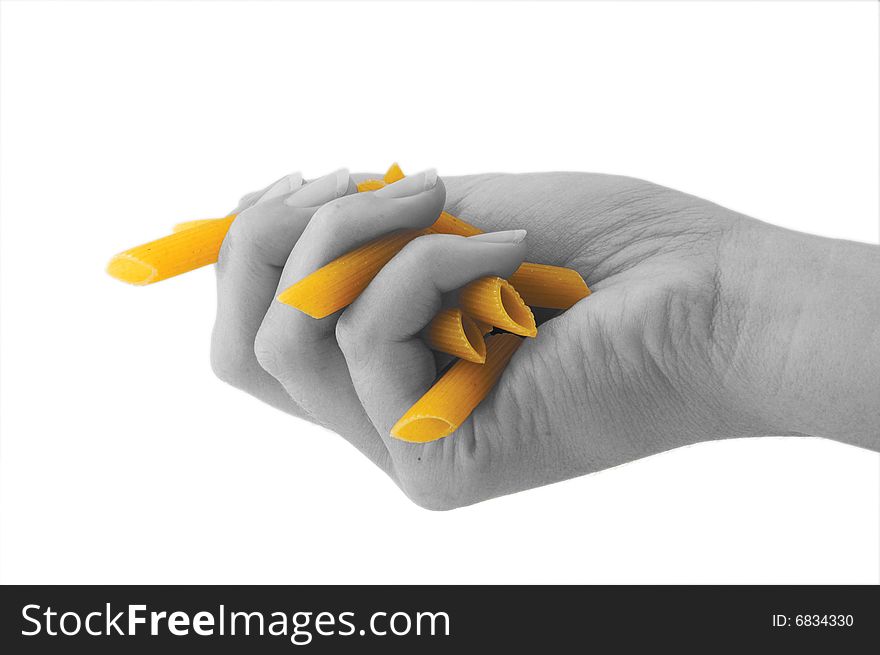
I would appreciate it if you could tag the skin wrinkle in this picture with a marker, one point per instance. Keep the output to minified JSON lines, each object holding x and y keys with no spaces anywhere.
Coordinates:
{"x":467,"y":446}
{"x":536,"y":415}
{"x":715,"y":308}
{"x":516,"y":429}
{"x":755,"y":318}
{"x":623,"y":402}
{"x":572,"y":385}
{"x":801,"y":317}
{"x":729,"y":329}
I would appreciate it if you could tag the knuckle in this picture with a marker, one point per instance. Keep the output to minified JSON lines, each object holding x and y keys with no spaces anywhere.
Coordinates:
{"x":229,"y":367}
{"x":234,"y":242}
{"x":242,"y":231}
{"x":269,"y":351}
{"x":248,"y":238}
{"x":348,"y":334}
{"x":422,"y":252}
{"x":281,"y":352}
{"x":331,"y":214}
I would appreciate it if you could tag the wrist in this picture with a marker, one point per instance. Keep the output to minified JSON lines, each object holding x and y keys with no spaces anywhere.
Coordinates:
{"x":797,"y":332}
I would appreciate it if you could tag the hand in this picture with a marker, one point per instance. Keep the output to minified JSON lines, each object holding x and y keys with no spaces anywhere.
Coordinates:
{"x":688,"y":330}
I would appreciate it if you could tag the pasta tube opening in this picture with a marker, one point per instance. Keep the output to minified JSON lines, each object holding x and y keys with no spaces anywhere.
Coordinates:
{"x":517,"y":309}
{"x":172,"y":255}
{"x":423,"y":429}
{"x":474,"y":336}
{"x":131,"y":269}
{"x":454,"y":333}
{"x":493,"y":300}
{"x":453,"y":398}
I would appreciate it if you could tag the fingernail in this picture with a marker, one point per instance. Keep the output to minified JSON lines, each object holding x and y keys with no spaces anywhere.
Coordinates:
{"x":282,"y":187}
{"x":508,"y":236}
{"x":409,"y":186}
{"x":320,"y":191}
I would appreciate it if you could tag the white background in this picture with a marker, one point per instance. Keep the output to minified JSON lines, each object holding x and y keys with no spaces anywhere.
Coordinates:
{"x":124,"y":460}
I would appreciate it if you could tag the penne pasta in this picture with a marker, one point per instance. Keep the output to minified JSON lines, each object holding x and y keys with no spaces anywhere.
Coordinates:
{"x":453,"y":398}
{"x":484,"y":328}
{"x":393,"y":174}
{"x":539,"y":277}
{"x":539,"y":285}
{"x":457,"y":334}
{"x":370,"y":185}
{"x":337,"y":284}
{"x":172,"y":255}
{"x":493,"y":300}
{"x":446,"y":223}
{"x":555,"y":287}
{"x":180,"y":227}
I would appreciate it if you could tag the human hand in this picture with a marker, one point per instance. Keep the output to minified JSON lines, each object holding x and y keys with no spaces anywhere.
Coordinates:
{"x":663,"y":353}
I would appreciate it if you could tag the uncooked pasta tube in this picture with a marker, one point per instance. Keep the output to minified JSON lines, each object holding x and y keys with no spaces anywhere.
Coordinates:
{"x":493,"y":300}
{"x":340,"y":282}
{"x":549,"y":286}
{"x":370,"y":185}
{"x":446,"y":223}
{"x":484,"y":328}
{"x":172,"y":255}
{"x":456,"y":394}
{"x":393,"y":174}
{"x":304,"y":295}
{"x":540,"y":285}
{"x":457,"y":334}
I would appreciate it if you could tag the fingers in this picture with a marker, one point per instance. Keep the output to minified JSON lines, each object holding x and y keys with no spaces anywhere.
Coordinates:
{"x":248,"y":269}
{"x":288,"y":184}
{"x":389,"y":364}
{"x":412,"y":203}
{"x":300,"y":351}
{"x":335,"y":229}
{"x":361,"y":177}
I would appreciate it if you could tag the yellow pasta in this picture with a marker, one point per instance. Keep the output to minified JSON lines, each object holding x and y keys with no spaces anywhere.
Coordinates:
{"x":393,"y":174}
{"x":370,"y":185}
{"x":180,"y":227}
{"x":457,"y":334}
{"x":541,"y":285}
{"x":493,"y":300}
{"x":337,"y":284}
{"x":446,"y":223}
{"x":304,"y":294}
{"x":172,"y":255}
{"x":456,"y":394}
{"x":484,"y":328}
